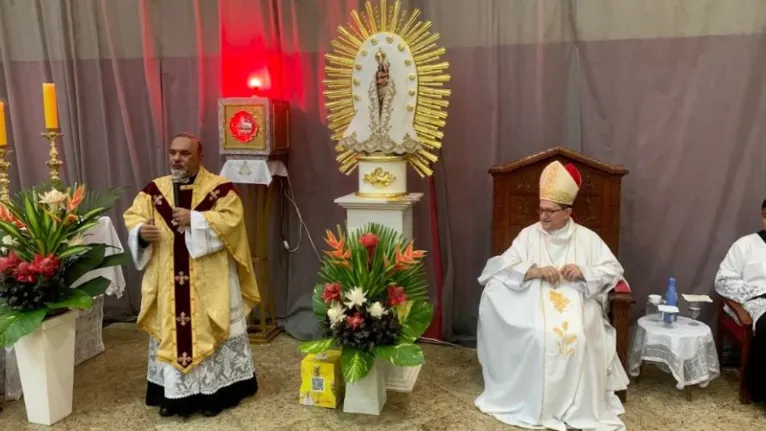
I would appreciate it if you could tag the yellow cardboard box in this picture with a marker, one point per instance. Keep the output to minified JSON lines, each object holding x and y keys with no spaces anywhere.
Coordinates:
{"x":321,"y":380}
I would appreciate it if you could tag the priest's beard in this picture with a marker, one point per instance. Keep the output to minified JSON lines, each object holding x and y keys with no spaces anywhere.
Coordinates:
{"x":179,"y":175}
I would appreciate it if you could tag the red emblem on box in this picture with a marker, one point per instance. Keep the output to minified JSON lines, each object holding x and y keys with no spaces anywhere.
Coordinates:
{"x":243,"y":126}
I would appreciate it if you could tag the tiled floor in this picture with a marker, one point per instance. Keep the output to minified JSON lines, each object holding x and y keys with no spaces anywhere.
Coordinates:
{"x":109,"y":390}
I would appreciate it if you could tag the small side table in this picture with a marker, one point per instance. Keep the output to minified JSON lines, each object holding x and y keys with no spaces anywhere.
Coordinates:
{"x":684,"y":350}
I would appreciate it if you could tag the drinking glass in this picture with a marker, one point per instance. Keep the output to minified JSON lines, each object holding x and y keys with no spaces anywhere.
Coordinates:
{"x":694,"y":313}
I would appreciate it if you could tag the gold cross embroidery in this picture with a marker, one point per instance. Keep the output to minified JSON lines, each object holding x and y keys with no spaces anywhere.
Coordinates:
{"x":184,"y":359}
{"x":214,"y":194}
{"x":158,"y":200}
{"x":182,"y":278}
{"x":179,"y":229}
{"x":183,"y":319}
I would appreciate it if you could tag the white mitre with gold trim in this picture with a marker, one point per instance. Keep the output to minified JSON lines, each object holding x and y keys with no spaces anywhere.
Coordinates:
{"x":559,"y":183}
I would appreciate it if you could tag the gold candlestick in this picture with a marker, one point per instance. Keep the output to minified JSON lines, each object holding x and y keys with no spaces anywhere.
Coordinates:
{"x":5,"y":183}
{"x":54,"y":163}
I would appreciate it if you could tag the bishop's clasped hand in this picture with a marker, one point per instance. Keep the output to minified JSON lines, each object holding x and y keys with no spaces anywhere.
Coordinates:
{"x":569,"y":272}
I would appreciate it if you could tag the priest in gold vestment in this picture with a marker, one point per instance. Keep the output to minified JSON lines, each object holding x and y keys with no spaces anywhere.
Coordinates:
{"x":187,"y":235}
{"x":546,"y":347}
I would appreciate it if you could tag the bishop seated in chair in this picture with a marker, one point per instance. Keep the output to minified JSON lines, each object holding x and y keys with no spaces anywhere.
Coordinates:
{"x":545,"y":344}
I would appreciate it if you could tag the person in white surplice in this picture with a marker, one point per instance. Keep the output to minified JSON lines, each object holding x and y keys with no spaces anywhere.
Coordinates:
{"x":546,"y":348}
{"x":742,"y":278}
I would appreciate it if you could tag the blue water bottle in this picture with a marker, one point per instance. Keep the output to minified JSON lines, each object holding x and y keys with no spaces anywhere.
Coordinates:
{"x":671,"y":298}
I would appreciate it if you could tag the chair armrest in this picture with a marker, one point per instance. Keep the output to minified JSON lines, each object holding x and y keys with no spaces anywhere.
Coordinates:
{"x":743,"y":317}
{"x":621,"y":298}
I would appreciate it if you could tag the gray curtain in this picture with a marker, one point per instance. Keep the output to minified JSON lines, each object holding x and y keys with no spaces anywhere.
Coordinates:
{"x":673,"y":89}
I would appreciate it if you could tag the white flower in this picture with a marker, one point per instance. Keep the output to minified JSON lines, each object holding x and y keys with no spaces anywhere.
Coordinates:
{"x":355,"y":297}
{"x":9,"y":242}
{"x":76,"y":240}
{"x":53,"y":198}
{"x":336,"y":314}
{"x":377,"y":310}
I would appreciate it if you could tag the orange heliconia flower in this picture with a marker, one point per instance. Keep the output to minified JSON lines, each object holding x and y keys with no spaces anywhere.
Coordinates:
{"x":76,"y":199}
{"x":8,"y":217}
{"x":338,"y":247}
{"x":404,"y":260}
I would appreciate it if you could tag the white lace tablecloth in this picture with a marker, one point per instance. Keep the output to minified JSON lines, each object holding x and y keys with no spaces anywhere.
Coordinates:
{"x":88,"y":342}
{"x":253,"y":171}
{"x":684,"y":350}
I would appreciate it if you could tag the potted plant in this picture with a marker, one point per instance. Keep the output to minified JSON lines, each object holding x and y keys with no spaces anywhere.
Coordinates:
{"x":41,"y":261}
{"x":372,"y":301}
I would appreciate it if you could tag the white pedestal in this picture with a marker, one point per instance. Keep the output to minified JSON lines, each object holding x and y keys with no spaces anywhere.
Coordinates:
{"x":368,"y":395}
{"x":46,"y":366}
{"x":396,"y":214}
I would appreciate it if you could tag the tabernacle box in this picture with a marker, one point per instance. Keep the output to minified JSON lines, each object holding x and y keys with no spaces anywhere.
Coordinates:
{"x":321,"y":380}
{"x":253,"y":126}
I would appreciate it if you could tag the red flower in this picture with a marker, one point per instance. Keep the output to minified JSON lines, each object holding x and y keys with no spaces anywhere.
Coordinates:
{"x":369,"y":240}
{"x":46,"y":265}
{"x":9,"y":263}
{"x":26,"y":272}
{"x":331,"y":292}
{"x":396,"y":296}
{"x":355,"y":321}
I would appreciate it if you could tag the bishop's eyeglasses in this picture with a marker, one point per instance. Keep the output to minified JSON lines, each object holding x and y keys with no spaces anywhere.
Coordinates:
{"x":548,"y":212}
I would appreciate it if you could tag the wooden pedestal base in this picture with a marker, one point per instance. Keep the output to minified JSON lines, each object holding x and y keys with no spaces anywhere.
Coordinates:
{"x":256,"y":336}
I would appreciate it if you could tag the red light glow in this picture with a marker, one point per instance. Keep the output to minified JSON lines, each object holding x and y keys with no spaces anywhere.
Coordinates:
{"x":254,"y":83}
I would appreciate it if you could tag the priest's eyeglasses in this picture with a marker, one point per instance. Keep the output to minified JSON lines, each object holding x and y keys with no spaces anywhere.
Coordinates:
{"x":548,"y":212}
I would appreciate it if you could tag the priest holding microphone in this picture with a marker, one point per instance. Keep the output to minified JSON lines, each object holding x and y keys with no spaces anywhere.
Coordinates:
{"x":187,"y":235}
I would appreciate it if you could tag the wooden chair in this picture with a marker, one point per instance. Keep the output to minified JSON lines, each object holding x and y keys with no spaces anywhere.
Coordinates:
{"x":516,"y":199}
{"x":740,"y":331}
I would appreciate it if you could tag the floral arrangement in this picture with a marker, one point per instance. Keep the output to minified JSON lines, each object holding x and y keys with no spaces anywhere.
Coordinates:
{"x":43,"y":255}
{"x":371,"y":300}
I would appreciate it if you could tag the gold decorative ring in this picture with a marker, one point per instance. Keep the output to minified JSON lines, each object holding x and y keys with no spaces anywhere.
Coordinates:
{"x":380,"y":195}
{"x":381,"y":158}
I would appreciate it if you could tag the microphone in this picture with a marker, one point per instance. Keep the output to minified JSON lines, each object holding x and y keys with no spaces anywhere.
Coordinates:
{"x":177,"y":178}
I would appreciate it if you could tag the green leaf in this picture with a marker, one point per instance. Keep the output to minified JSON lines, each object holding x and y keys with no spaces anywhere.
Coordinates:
{"x":74,"y":250}
{"x":117,"y":259}
{"x":95,"y":287}
{"x":17,"y":324}
{"x":355,"y":363}
{"x":32,"y":221}
{"x":417,"y":321}
{"x":78,"y":299}
{"x":318,"y":346}
{"x":102,"y":199}
{"x":401,"y":355}
{"x":85,"y":263}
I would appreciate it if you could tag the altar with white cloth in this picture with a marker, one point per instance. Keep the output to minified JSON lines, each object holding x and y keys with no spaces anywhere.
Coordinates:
{"x":89,"y":341}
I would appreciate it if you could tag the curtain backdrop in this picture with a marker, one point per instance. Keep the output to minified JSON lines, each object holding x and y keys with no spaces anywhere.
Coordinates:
{"x":672,"y":89}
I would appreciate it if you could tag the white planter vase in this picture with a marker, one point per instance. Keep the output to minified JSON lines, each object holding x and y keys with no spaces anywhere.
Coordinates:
{"x":46,"y":367}
{"x":401,"y":379}
{"x":368,"y":395}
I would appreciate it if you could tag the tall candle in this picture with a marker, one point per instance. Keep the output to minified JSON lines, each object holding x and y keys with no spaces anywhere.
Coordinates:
{"x":3,"y":136}
{"x":49,"y":103}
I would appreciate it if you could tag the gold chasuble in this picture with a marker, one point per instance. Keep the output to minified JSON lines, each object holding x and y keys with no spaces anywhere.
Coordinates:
{"x":185,"y":302}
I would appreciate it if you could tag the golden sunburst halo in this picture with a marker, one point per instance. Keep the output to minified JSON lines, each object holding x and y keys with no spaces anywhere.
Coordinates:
{"x":432,"y":97}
